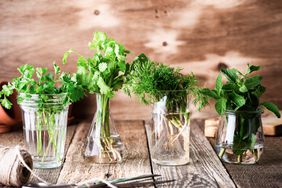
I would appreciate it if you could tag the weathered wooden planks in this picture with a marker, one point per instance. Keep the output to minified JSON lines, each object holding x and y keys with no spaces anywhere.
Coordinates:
{"x":77,"y":168}
{"x":204,"y":169}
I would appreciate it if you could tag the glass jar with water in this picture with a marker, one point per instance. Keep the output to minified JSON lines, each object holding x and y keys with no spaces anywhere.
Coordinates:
{"x":240,"y":137}
{"x":169,"y":132}
{"x":45,"y":126}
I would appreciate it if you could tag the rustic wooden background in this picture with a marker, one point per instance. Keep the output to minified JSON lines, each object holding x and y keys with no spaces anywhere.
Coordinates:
{"x":197,"y":35}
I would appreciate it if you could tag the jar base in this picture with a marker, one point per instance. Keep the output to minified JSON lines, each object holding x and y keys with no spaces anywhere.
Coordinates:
{"x":37,"y":164}
{"x":170,"y":163}
{"x":99,"y":155}
{"x":248,"y":157}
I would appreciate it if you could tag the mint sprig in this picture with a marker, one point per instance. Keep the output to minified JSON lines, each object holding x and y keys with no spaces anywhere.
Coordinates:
{"x":241,"y":92}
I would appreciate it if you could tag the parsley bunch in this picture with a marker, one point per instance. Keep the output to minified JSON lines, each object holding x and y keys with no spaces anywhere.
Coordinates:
{"x":152,"y":81}
{"x":42,"y":82}
{"x":241,"y":92}
{"x":104,"y":72}
{"x":4,"y":93}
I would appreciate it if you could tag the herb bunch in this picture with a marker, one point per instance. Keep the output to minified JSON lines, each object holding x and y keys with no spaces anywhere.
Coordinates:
{"x":241,"y":92}
{"x":104,"y":72}
{"x":152,"y":81}
{"x":42,"y":82}
{"x":240,"y":95}
{"x":169,"y":90}
{"x":4,"y":93}
{"x":50,"y":94}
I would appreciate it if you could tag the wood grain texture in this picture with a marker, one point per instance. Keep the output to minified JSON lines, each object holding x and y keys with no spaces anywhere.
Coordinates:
{"x":16,"y":138}
{"x":200,"y":36}
{"x":266,"y":173}
{"x":204,"y":169}
{"x":77,"y":168}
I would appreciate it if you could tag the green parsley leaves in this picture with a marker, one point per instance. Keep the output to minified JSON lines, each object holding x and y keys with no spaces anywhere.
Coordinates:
{"x":40,"y":81}
{"x":105,"y":71}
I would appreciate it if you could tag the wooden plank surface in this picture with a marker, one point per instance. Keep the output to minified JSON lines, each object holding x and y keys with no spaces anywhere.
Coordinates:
{"x":77,"y":168}
{"x":204,"y":169}
{"x":16,"y":138}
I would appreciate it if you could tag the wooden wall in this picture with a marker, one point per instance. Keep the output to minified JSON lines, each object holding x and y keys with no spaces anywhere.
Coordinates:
{"x":198,"y":35}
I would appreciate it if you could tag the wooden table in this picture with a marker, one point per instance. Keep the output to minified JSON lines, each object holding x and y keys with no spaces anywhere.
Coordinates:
{"x":204,"y":170}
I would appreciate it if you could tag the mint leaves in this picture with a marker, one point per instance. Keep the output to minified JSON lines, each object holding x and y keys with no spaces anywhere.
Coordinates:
{"x":239,"y":97}
{"x":220,"y":105}
{"x":104,"y":72}
{"x":241,"y":92}
{"x":271,"y":107}
{"x":252,"y":68}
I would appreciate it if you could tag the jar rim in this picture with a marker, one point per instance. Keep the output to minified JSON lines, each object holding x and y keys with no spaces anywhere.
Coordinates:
{"x":178,"y":90}
{"x":55,"y":94}
{"x":244,"y":111}
{"x":51,"y":99}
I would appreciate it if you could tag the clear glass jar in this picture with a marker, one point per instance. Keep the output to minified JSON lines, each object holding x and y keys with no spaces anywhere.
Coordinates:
{"x":169,"y":133}
{"x":104,"y":144}
{"x":45,"y":126}
{"x":240,"y":138}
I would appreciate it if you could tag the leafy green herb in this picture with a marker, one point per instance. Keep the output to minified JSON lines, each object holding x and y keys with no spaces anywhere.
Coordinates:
{"x":5,"y":91}
{"x":104,"y":74}
{"x":271,"y":107}
{"x":39,"y":81}
{"x":241,"y":92}
{"x":220,"y":105}
{"x":152,"y":81}
{"x":168,"y":89}
{"x":105,"y":71}
{"x":40,"y":86}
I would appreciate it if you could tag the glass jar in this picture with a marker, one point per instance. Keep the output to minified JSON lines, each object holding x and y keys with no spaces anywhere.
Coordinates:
{"x":104,"y":144}
{"x":169,"y":131}
{"x":45,"y":126}
{"x":240,"y":137}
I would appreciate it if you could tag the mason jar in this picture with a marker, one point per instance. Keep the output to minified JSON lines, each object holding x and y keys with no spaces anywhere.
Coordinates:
{"x":240,"y":138}
{"x":45,"y":126}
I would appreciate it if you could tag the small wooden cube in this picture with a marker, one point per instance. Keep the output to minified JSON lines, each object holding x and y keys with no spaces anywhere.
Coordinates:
{"x":272,"y":126}
{"x":211,"y":126}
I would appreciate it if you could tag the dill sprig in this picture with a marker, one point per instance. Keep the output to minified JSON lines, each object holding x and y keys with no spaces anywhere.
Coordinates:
{"x":151,"y":81}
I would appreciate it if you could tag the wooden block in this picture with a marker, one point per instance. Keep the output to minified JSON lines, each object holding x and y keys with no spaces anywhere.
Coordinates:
{"x":272,"y":126}
{"x":211,"y":126}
